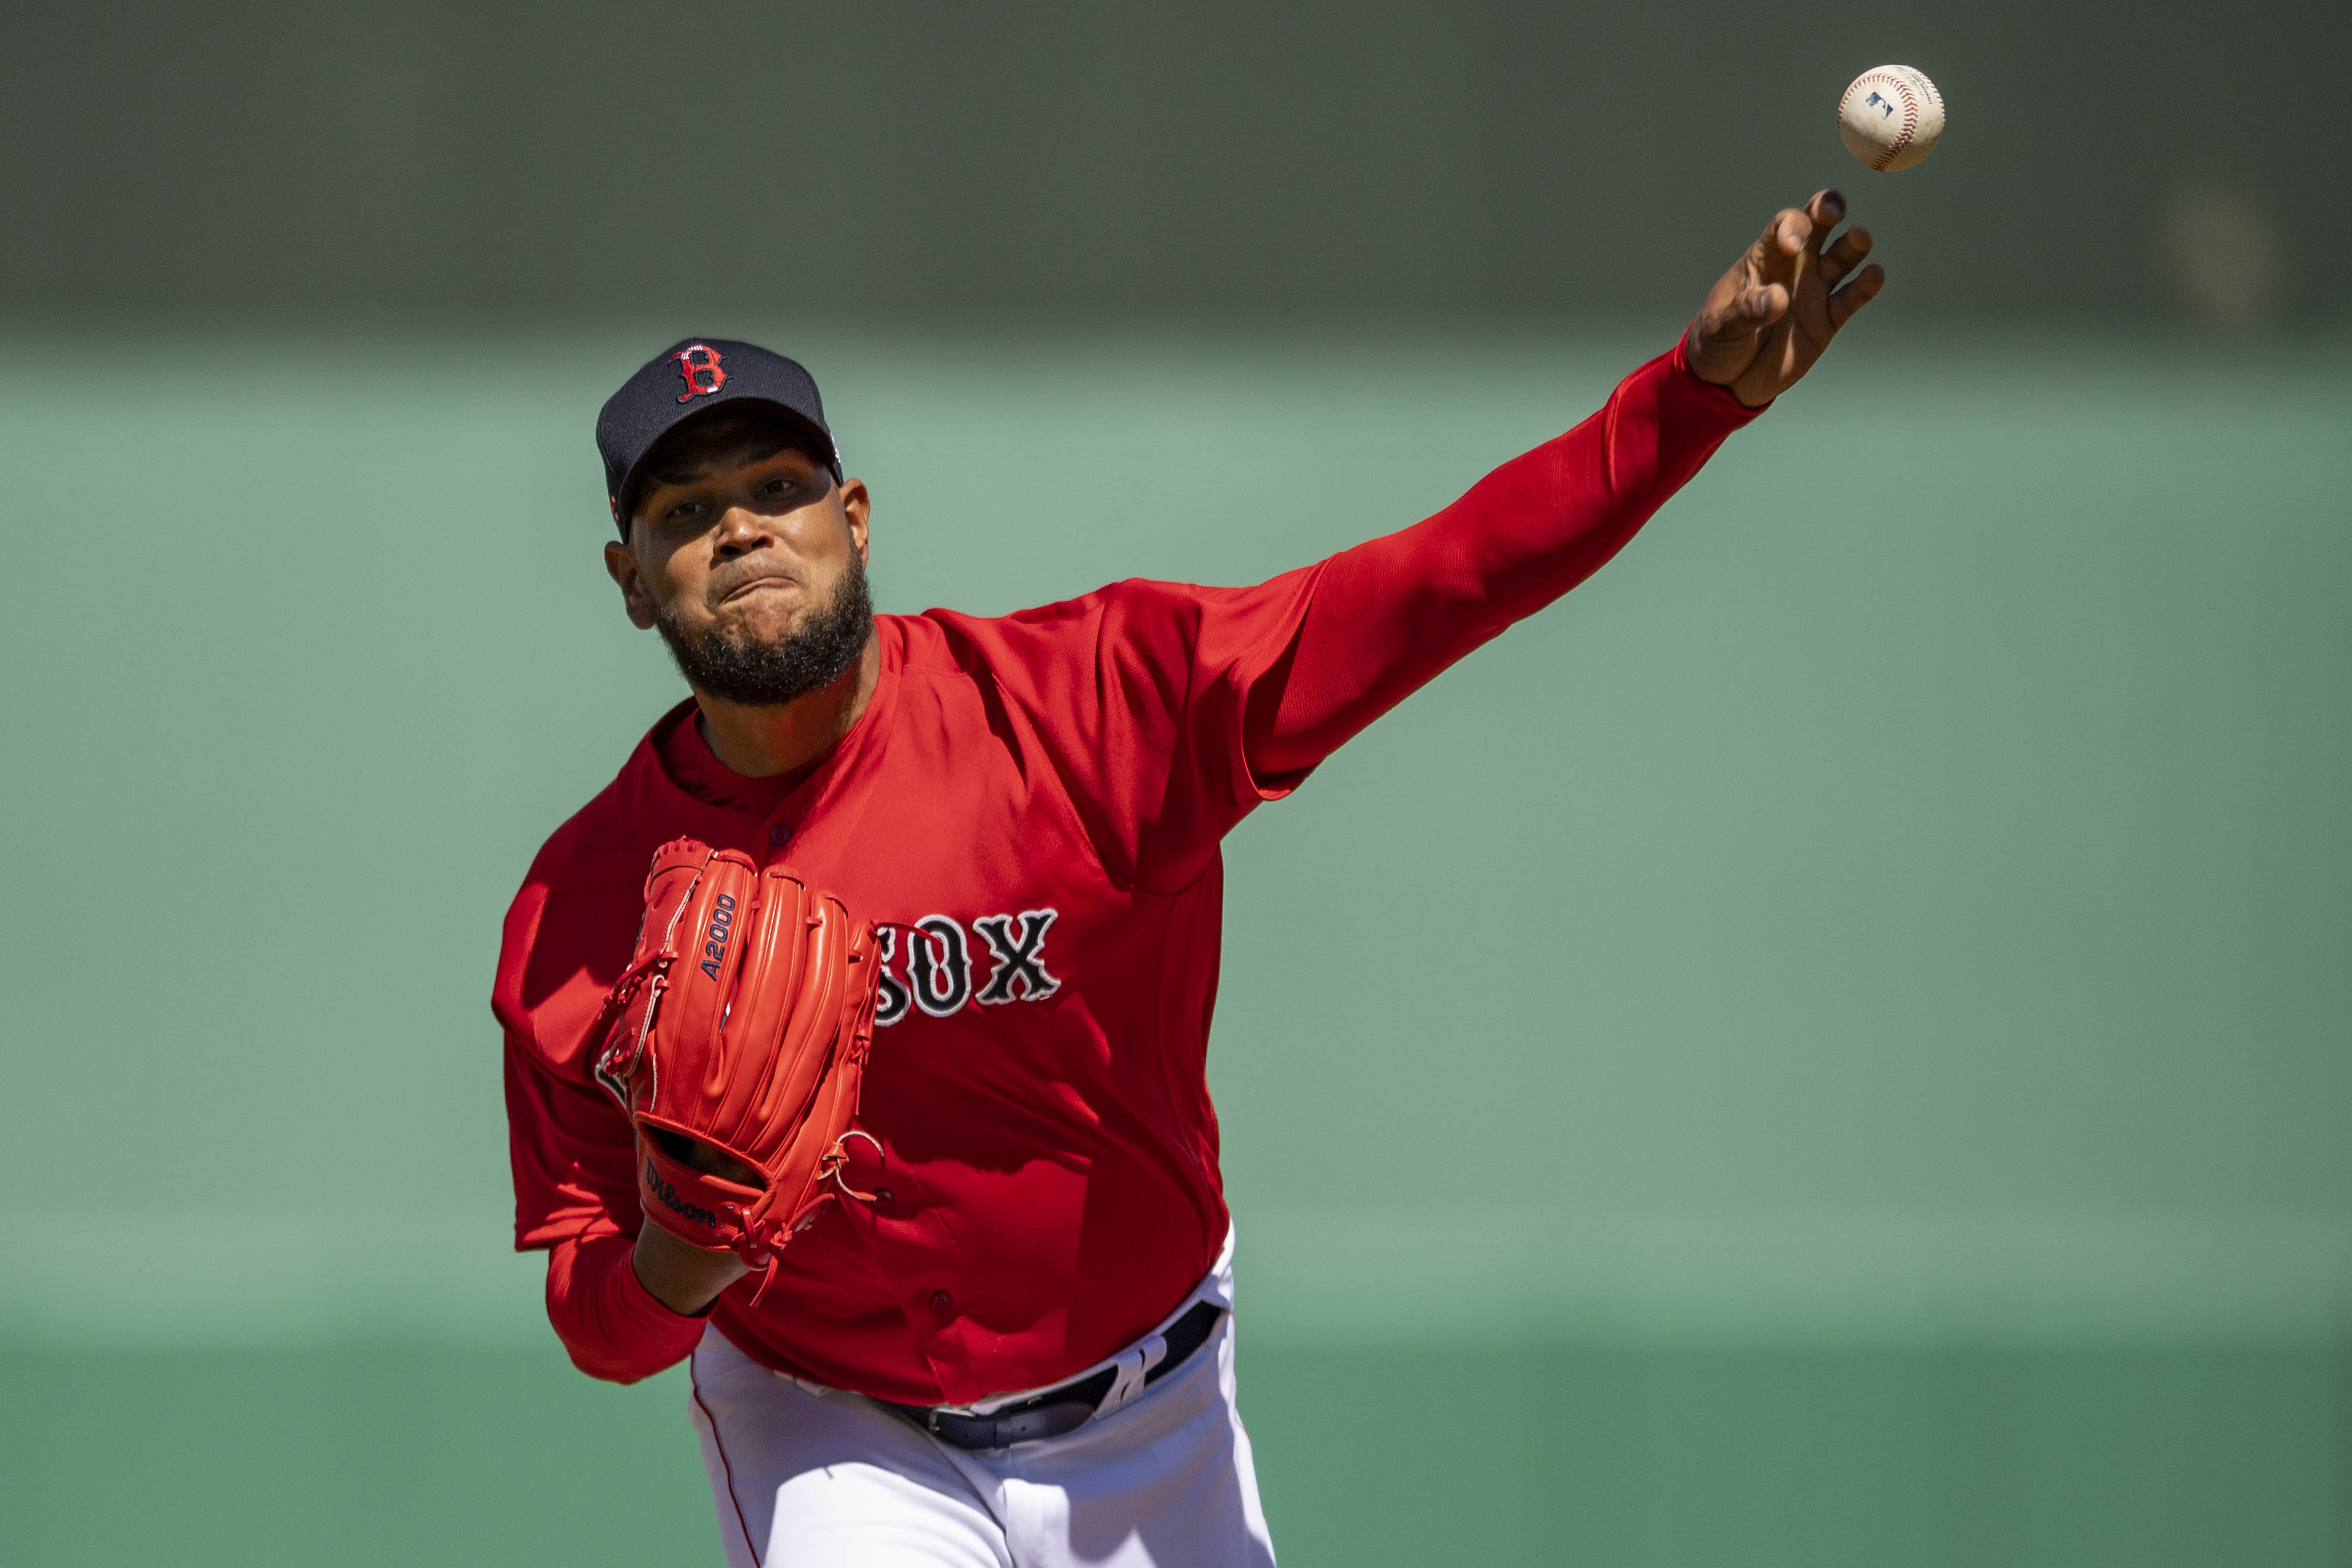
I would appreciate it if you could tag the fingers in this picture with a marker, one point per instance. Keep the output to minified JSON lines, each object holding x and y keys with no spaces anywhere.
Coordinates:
{"x":1855,"y":295}
{"x":1745,"y":313}
{"x":1759,"y":308}
{"x":1795,"y":230}
{"x":1845,"y":255}
{"x":1825,"y":210}
{"x":1782,"y":239}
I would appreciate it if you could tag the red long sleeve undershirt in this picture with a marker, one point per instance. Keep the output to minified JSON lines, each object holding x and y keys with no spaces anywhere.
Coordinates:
{"x":606,"y":1318}
{"x":1385,"y":617}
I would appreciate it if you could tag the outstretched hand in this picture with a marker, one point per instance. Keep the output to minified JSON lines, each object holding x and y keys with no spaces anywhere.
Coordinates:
{"x":1768,"y":320}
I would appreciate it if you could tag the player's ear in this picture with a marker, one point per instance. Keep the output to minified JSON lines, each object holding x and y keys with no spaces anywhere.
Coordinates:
{"x":857,"y":506}
{"x":621,"y":566}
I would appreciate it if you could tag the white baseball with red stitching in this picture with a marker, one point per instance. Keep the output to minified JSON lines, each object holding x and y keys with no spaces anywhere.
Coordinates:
{"x":1891,"y":117}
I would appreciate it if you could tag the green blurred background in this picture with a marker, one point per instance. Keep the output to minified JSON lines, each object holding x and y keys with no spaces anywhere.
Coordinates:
{"x":1871,"y":1080}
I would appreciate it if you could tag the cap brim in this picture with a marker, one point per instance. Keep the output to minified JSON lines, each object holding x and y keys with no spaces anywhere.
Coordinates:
{"x":809,"y":435}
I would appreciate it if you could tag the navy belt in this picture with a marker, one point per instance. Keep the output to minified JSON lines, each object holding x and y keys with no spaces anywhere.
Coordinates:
{"x":1057,"y":1410}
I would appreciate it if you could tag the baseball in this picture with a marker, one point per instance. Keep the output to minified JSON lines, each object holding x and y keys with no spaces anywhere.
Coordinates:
{"x":1890,"y":118}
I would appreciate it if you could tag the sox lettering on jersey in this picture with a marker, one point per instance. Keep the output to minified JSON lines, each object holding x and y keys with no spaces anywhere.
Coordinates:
{"x":1016,"y":940}
{"x":940,"y":965}
{"x":892,"y":998}
{"x":928,"y":964}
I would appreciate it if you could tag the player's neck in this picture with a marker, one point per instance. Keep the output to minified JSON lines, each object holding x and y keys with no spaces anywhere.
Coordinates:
{"x":761,"y":742}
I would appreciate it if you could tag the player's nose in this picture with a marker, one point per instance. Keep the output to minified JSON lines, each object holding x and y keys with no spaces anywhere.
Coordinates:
{"x":742,"y":529}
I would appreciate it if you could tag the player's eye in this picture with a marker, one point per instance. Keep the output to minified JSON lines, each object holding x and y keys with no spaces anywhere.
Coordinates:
{"x":776,"y":486}
{"x":683,"y":510}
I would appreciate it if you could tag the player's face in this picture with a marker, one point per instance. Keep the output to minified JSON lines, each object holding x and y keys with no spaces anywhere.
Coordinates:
{"x":740,"y":534}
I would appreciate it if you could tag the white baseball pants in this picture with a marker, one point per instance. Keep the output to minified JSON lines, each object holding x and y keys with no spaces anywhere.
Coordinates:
{"x":809,"y":1476}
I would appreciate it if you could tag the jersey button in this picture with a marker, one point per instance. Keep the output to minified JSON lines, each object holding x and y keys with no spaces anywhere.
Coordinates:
{"x":941,"y":1301}
{"x":778,"y":834}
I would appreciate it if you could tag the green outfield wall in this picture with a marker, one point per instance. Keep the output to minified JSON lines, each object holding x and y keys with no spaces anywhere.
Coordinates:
{"x":1829,"y":1045}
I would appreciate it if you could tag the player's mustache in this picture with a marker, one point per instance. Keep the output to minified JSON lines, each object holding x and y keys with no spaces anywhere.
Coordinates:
{"x":748,"y":570}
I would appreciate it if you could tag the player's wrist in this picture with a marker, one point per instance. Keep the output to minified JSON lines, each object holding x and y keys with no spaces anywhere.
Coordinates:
{"x":686,"y":1279}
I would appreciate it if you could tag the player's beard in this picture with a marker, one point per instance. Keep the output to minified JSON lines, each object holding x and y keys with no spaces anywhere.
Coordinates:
{"x":729,"y":665}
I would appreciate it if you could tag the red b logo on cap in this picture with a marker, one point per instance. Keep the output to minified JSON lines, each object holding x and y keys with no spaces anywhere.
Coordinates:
{"x":699,"y":366}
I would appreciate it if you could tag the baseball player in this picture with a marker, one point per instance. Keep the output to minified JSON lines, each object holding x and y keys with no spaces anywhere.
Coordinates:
{"x":1009,"y":1340}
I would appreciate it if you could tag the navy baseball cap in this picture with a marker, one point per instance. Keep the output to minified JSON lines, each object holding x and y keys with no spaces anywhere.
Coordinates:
{"x":690,"y":377}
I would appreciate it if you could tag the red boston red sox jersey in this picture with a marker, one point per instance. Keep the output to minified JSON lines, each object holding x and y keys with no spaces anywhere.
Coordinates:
{"x":1030,"y":808}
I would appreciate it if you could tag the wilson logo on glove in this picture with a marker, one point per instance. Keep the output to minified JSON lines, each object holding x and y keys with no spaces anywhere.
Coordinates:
{"x":668,"y":1198}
